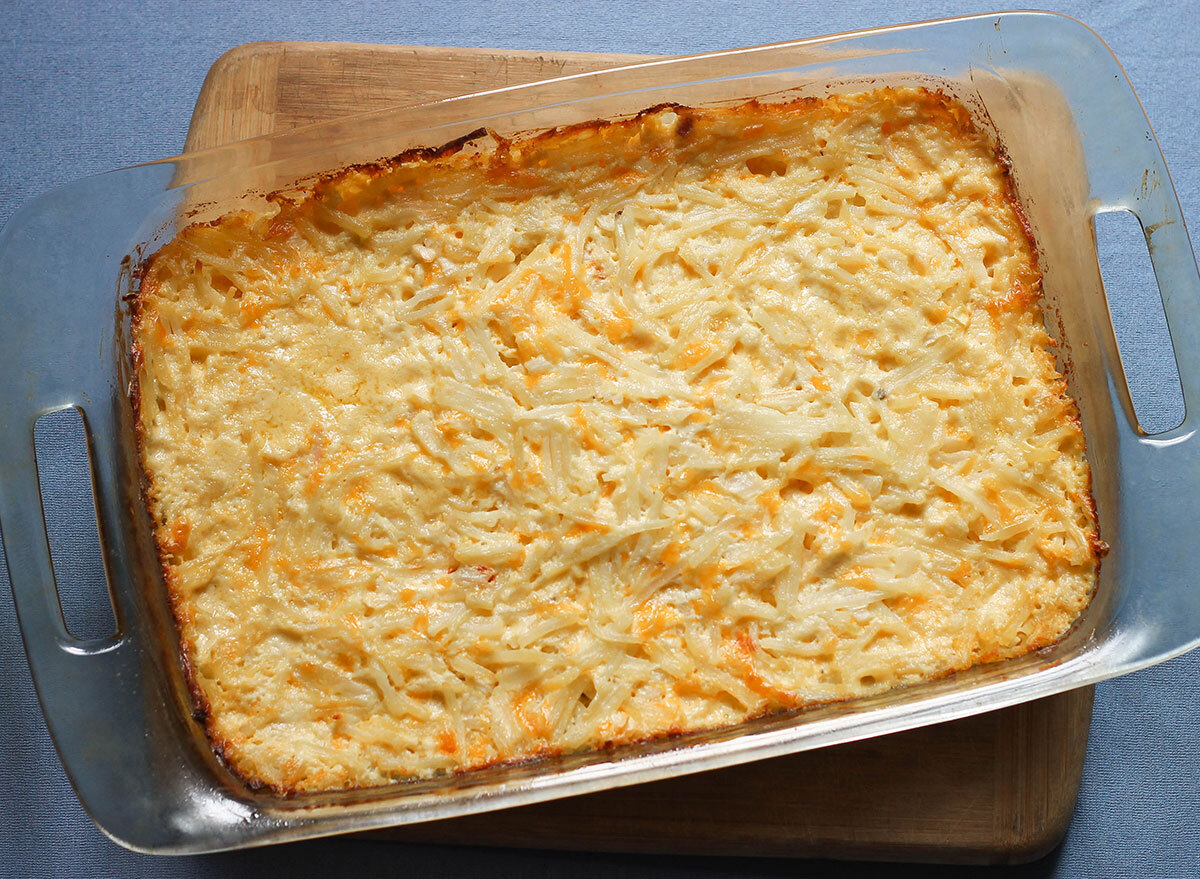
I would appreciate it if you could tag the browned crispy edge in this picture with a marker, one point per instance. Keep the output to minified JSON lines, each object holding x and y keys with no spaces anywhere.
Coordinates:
{"x":1098,"y":547}
{"x":316,"y":185}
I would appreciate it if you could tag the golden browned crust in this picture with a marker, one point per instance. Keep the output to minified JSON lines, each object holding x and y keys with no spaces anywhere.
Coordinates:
{"x":500,"y":158}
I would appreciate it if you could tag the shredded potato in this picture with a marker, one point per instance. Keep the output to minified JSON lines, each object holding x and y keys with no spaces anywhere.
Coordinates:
{"x":635,"y":428}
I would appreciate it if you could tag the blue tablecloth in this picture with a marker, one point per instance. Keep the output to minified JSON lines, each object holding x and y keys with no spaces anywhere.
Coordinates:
{"x":86,"y":88}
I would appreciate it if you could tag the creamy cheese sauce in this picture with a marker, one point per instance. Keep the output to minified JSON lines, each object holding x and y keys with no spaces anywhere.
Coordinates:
{"x":636,"y":428}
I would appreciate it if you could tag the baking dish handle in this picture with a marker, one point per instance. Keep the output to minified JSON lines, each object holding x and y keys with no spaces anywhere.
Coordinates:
{"x":1157,"y":209}
{"x":1175,"y":269}
{"x":89,"y":689}
{"x":1127,"y":171}
{"x":118,"y":719}
{"x":1160,"y":510}
{"x":1153,"y":514}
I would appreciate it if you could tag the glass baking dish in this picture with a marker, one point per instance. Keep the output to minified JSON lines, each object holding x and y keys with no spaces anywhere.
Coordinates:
{"x":119,"y":709}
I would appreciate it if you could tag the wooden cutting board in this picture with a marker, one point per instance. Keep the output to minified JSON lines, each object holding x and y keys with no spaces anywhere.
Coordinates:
{"x":995,"y":788}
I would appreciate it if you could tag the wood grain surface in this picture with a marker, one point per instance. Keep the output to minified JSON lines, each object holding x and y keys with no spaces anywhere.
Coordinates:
{"x":996,"y":788}
{"x":260,"y":88}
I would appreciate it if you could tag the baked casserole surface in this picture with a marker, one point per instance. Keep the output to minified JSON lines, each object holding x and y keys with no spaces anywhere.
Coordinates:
{"x":615,"y":432}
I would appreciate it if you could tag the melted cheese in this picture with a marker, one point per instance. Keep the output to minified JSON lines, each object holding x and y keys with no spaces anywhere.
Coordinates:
{"x":640,"y":427}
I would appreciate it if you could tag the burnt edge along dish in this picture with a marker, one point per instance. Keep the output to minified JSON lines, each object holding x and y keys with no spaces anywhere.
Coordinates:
{"x":118,"y":708}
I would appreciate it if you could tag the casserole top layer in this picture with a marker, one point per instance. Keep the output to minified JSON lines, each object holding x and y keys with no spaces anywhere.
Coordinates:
{"x":633,"y":428}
